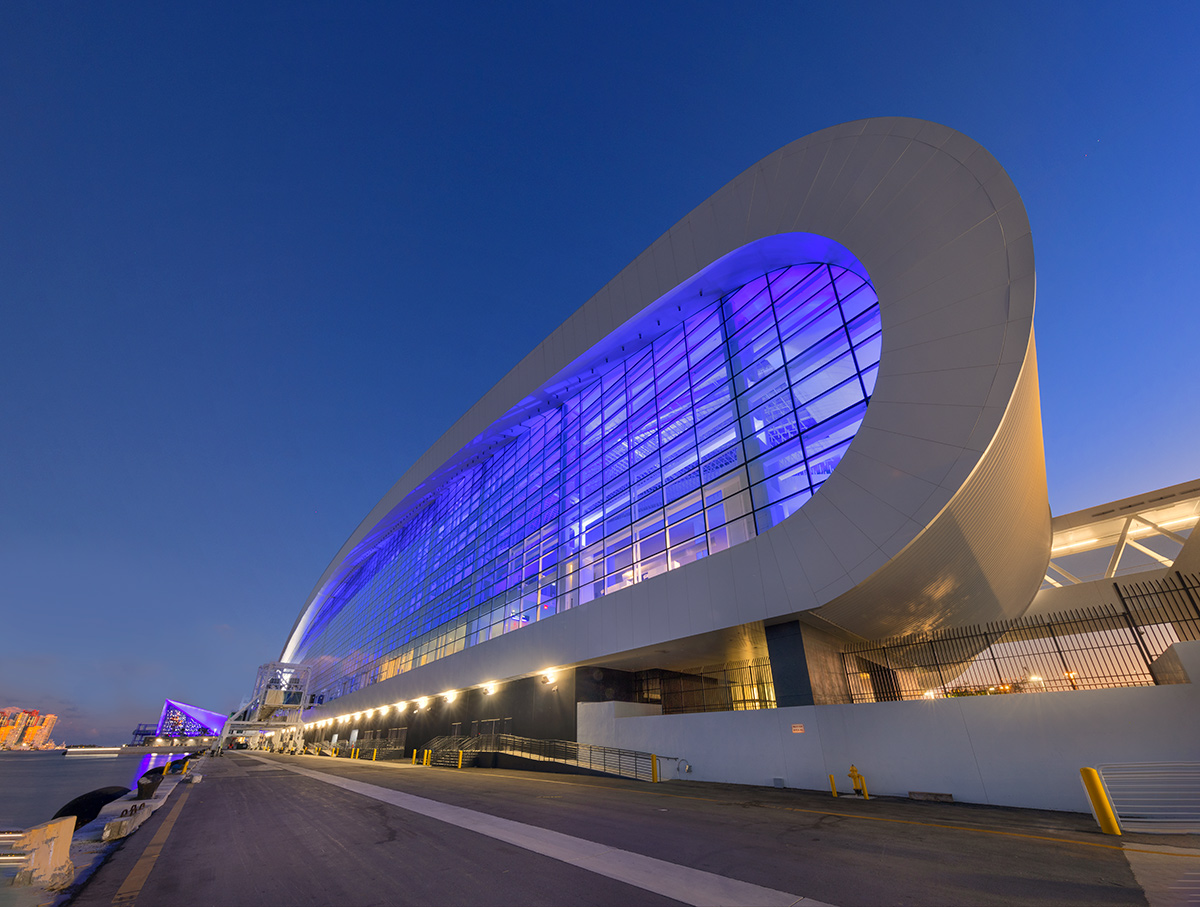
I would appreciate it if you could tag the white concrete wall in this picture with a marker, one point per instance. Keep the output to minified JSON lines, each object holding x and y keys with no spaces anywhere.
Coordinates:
{"x":1015,"y":750}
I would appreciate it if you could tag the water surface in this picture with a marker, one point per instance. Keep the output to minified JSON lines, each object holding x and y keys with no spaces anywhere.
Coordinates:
{"x":34,"y":786}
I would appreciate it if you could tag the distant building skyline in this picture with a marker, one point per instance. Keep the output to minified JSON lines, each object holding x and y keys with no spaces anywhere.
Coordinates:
{"x":25,"y":729}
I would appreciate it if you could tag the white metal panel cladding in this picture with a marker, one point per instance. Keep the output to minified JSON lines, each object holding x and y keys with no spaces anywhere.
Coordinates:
{"x":939,"y":227}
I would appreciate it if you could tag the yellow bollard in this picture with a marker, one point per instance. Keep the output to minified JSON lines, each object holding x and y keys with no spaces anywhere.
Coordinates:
{"x":374,"y":753}
{"x":414,"y":756}
{"x":425,"y":761}
{"x":460,"y":758}
{"x":832,"y":785}
{"x":1101,"y":806}
{"x":653,"y":768}
{"x":859,"y":782}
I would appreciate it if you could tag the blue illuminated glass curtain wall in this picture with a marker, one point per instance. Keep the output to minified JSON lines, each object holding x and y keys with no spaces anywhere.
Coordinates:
{"x":714,"y":432}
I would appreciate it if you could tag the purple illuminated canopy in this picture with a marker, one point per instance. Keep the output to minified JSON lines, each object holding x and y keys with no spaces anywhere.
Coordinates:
{"x":178,"y":719}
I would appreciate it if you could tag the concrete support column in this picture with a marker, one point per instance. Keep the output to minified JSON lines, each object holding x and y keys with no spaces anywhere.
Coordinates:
{"x":789,"y":665}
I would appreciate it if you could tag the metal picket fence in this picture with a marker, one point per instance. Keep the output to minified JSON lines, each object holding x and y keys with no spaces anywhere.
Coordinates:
{"x":1093,"y":648}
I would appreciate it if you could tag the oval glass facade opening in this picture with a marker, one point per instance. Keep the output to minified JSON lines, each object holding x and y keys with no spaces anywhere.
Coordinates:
{"x":713,"y":431}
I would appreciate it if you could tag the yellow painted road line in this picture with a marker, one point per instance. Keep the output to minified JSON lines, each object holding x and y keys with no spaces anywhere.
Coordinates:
{"x":132,"y":886}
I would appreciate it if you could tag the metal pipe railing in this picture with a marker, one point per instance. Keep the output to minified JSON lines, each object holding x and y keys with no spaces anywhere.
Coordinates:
{"x":1161,"y":797}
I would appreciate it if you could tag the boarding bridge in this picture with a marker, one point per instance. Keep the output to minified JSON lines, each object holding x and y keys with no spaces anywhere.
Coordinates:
{"x":273,"y":714}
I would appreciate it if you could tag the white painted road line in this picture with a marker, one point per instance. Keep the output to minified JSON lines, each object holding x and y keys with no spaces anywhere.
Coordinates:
{"x":691,"y":886}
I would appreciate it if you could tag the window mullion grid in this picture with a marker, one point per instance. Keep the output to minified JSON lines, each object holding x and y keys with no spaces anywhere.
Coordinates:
{"x":738,"y":406}
{"x":787,"y":371}
{"x":846,"y":330}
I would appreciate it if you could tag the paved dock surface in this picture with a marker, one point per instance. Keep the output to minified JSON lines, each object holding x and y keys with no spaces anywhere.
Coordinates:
{"x":304,"y":830}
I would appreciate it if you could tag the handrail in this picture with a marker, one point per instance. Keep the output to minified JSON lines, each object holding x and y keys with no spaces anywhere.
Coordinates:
{"x":1162,"y":797}
{"x":609,"y":760}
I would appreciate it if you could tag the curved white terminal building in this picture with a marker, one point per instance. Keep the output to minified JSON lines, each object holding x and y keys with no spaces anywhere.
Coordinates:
{"x":807,"y":414}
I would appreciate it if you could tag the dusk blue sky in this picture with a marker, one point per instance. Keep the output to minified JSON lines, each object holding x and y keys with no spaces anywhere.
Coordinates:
{"x":255,"y":259}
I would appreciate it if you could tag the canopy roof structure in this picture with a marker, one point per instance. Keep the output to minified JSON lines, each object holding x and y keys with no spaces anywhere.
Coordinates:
{"x":178,"y":719}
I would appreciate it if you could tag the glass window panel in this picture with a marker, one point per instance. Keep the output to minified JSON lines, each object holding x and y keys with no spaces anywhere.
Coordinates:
{"x":684,"y":507}
{"x":709,"y":371}
{"x":821,"y":381}
{"x":737,"y":299}
{"x":859,"y":301}
{"x":864,"y":325}
{"x":688,"y":552}
{"x":647,"y":526}
{"x":727,"y":509}
{"x":836,"y":400}
{"x":821,"y":467}
{"x":833,"y":431}
{"x":617,"y":581}
{"x":641,"y":402}
{"x":712,"y":401}
{"x":682,"y":444}
{"x":868,"y":352}
{"x":847,"y":282}
{"x":645,"y":456}
{"x":818,"y":355}
{"x":702,"y":323}
{"x":667,"y":396}
{"x":777,"y":513}
{"x":592,"y":554}
{"x":808,"y":334}
{"x":766,"y":413}
{"x":618,"y":539}
{"x":769,"y":386}
{"x":652,"y":566}
{"x":869,"y":377}
{"x":648,"y":504}
{"x":668,"y":373}
{"x":725,"y":487}
{"x":785,"y":282}
{"x":754,"y":341}
{"x":759,"y":370}
{"x":685,"y":529}
{"x":703,"y":347}
{"x":651,"y":544}
{"x":774,"y":462}
{"x":681,"y":484}
{"x":753,"y":307}
{"x":619,"y":561}
{"x":715,"y":413}
{"x":796,"y":314}
{"x":772,"y":436}
{"x":676,"y":470}
{"x":719,"y":441}
{"x":812,"y":279}
{"x":620,"y":517}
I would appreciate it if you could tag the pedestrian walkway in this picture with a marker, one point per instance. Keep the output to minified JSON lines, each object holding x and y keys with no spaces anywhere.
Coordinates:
{"x":310,"y":830}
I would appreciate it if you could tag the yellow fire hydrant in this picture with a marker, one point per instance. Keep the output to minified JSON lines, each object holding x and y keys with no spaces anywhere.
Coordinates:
{"x":859,"y":782}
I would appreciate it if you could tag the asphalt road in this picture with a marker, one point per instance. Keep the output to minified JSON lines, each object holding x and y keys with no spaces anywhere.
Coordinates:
{"x":285,"y":830}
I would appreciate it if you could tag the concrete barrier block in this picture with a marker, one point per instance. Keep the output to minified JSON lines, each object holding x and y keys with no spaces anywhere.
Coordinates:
{"x":49,"y":847}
